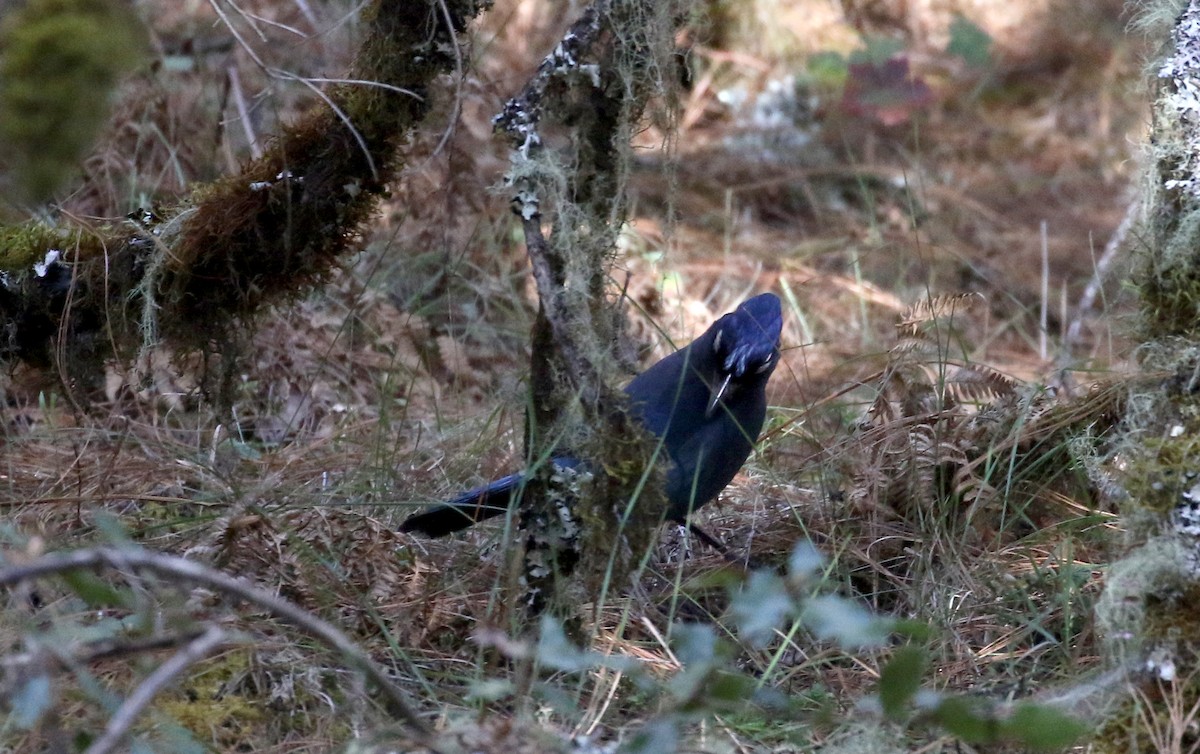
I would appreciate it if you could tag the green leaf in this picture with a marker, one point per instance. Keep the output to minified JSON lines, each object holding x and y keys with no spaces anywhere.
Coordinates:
{"x":828,"y":69}
{"x":1042,"y":728}
{"x":729,"y":689}
{"x":912,"y":629}
{"x":879,"y":50}
{"x":687,"y":686}
{"x":30,"y":701}
{"x":94,"y":591}
{"x":555,"y":650}
{"x":138,"y":746}
{"x":848,"y":623}
{"x":967,"y":719}
{"x":173,"y":737}
{"x":556,"y":698}
{"x":490,"y":689}
{"x":901,"y":680}
{"x":112,"y":530}
{"x":245,"y":451}
{"x":701,"y":652}
{"x":725,"y":578}
{"x":805,"y":561}
{"x":761,"y":606}
{"x":969,"y":42}
{"x":655,"y":737}
{"x":695,"y":643}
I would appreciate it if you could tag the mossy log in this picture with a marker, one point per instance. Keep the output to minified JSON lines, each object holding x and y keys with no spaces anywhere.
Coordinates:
{"x":74,"y":297}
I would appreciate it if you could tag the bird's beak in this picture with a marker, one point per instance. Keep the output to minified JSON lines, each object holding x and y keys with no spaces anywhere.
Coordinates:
{"x":717,"y":395}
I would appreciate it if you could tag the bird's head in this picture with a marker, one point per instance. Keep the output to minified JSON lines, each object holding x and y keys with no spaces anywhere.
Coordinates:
{"x":746,"y":346}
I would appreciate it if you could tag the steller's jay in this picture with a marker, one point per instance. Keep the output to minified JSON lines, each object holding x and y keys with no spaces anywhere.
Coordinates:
{"x":706,"y":402}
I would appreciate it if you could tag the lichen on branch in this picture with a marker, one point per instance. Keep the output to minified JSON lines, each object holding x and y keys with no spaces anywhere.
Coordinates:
{"x":594,"y":86}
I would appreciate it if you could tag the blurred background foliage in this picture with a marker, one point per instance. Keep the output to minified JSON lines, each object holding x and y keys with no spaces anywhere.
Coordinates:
{"x":60,"y":64}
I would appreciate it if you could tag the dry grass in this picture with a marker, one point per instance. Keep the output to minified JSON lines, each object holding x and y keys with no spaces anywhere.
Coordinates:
{"x":401,"y":383}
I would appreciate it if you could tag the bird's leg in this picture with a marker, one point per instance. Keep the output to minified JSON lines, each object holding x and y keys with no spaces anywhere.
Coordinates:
{"x":720,"y":547}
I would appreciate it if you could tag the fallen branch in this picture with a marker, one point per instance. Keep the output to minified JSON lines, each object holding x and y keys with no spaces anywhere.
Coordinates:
{"x":126,"y":560}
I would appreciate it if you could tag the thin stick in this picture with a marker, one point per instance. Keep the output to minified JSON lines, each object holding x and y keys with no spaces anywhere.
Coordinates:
{"x":1043,"y":347}
{"x":183,"y":569}
{"x":1095,"y":286}
{"x":243,"y":111}
{"x":127,"y":714}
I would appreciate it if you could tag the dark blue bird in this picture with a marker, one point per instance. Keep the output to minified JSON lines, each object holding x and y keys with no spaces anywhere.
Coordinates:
{"x":706,"y":402}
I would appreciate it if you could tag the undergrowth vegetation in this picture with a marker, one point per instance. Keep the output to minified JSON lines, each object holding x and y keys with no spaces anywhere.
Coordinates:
{"x":939,"y":198}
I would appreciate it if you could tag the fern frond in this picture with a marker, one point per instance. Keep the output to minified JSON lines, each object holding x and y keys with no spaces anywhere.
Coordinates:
{"x":979,"y":384}
{"x":932,"y":309}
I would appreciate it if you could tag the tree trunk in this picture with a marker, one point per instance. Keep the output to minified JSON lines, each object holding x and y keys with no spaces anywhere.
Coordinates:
{"x":1148,"y":613}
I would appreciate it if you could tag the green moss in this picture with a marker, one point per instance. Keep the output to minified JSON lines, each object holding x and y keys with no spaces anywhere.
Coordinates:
{"x":22,"y":246}
{"x":1177,"y":621}
{"x":59,"y":64}
{"x":1151,"y":717}
{"x":1170,"y":284}
{"x":1158,"y":475}
{"x":213,"y":706}
{"x":1150,"y":609}
{"x":245,"y":242}
{"x":1150,"y":575}
{"x":35,"y":307}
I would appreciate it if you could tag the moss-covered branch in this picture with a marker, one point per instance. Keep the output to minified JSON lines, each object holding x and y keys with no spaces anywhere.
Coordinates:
{"x":268,"y":233}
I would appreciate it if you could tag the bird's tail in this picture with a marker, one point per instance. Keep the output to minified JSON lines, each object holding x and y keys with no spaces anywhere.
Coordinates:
{"x":465,"y":510}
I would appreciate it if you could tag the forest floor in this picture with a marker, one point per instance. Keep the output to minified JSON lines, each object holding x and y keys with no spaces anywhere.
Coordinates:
{"x":936,"y":202}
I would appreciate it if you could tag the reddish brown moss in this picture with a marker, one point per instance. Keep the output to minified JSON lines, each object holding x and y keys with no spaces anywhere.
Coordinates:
{"x":282,"y":224}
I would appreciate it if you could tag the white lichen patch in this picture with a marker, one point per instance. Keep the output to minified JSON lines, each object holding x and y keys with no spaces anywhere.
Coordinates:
{"x":41,"y":268}
{"x":1182,"y":104}
{"x":283,"y":175}
{"x":1186,"y":516}
{"x":1161,"y":664}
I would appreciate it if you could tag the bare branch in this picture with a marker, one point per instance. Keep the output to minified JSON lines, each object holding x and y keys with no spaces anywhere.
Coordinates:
{"x":127,"y":714}
{"x":187,"y":570}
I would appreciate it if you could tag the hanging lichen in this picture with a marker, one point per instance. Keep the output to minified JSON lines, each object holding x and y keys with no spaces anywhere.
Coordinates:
{"x":596,"y":85}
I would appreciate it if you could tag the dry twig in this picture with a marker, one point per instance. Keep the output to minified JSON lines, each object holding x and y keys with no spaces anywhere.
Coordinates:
{"x":181,"y":569}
